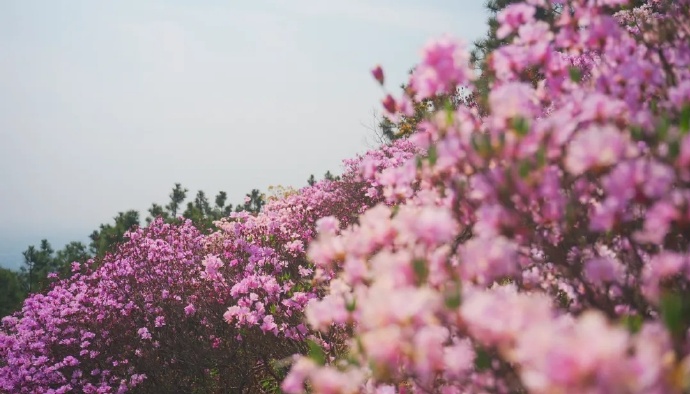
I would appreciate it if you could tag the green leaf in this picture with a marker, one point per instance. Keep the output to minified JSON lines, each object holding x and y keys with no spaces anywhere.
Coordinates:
{"x":433,"y":155}
{"x":520,"y":125}
{"x":673,"y":314}
{"x":482,"y":360}
{"x":481,"y":142}
{"x":632,"y":322}
{"x":475,"y":143}
{"x":351,"y":305}
{"x":673,"y":149}
{"x":419,"y":162}
{"x":541,"y":156}
{"x":662,"y":128}
{"x":420,"y":269}
{"x":575,"y":74}
{"x":316,"y":353}
{"x":637,"y":133}
{"x":685,"y":119}
{"x":524,"y":168}
{"x":453,"y":297}
{"x":449,"y":111}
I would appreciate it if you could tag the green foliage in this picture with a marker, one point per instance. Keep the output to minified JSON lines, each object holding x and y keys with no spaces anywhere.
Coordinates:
{"x":632,"y":322}
{"x":484,"y":46}
{"x":675,"y":312}
{"x":254,"y":201}
{"x":157,"y":211}
{"x":407,"y":125}
{"x":330,"y":177}
{"x":453,"y":297}
{"x":109,"y":235}
{"x":316,"y":353}
{"x":38,"y":263}
{"x":575,"y":74}
{"x":43,"y":260}
{"x":71,"y":253}
{"x":11,"y":292}
{"x":421,"y":270}
{"x":482,"y":360}
{"x":177,"y":197}
{"x":685,"y":119}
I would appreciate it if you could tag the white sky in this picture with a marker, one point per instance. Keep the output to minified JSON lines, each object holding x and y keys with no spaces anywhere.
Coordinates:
{"x":105,"y":105}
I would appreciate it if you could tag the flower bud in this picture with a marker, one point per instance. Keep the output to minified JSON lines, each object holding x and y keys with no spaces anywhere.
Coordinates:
{"x":377,"y":72}
{"x":389,"y":104}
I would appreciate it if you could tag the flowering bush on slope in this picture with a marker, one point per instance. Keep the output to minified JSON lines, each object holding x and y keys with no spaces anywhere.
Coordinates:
{"x":542,"y":248}
{"x":174,"y":310}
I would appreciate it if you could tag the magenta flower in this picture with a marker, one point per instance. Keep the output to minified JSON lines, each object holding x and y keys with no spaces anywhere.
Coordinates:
{"x":512,"y":17}
{"x":377,"y":72}
{"x":445,"y":65}
{"x":144,"y":333}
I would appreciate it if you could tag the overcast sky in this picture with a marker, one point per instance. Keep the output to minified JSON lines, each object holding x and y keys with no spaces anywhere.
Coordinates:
{"x":104,"y":105}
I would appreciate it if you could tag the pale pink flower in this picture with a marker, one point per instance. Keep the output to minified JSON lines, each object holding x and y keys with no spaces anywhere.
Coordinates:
{"x":512,"y":17}
{"x":604,"y":269}
{"x":596,"y":147}
{"x":514,"y":99}
{"x":485,"y":259}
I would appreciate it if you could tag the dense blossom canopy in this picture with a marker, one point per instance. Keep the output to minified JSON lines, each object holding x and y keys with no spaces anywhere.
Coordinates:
{"x":542,"y":246}
{"x":176,"y":310}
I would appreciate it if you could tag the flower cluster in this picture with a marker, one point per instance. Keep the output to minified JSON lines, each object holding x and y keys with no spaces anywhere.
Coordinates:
{"x":174,"y":309}
{"x":541,"y":247}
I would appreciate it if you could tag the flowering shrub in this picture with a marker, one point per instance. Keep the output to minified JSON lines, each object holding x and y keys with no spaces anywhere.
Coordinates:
{"x":541,"y":248}
{"x":176,"y":310}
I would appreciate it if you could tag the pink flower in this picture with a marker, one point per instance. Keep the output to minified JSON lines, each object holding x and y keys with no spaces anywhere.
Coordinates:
{"x":144,"y":333}
{"x":498,"y":316}
{"x":445,"y":65}
{"x":512,"y":100}
{"x":512,"y":17}
{"x":320,"y":314}
{"x":430,"y":225}
{"x":604,"y":269}
{"x":596,"y":147}
{"x":327,"y":225}
{"x":269,"y":325}
{"x":377,"y":72}
{"x":485,"y":259}
{"x":458,"y":358}
{"x":428,"y":351}
{"x":657,"y":222}
{"x":384,"y":346}
{"x":390,"y":105}
{"x":663,"y":266}
{"x":329,"y":380}
{"x":680,"y":95}
{"x":294,"y":382}
{"x":212,"y":264}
